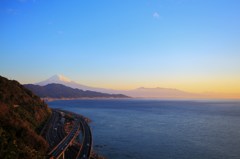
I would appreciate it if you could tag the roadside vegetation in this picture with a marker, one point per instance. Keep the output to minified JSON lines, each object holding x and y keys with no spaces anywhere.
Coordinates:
{"x":22,"y":115}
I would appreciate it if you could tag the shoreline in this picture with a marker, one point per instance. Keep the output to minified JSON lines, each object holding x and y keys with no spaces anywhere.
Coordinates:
{"x":80,"y":127}
{"x":85,"y":98}
{"x":153,"y":99}
{"x":93,"y":154}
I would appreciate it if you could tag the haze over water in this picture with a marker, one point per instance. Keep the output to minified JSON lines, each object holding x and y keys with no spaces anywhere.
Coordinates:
{"x":153,"y":129}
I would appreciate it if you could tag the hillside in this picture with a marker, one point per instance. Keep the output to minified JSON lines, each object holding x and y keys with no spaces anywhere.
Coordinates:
{"x":60,"y":79}
{"x":22,"y":114}
{"x":60,"y":91}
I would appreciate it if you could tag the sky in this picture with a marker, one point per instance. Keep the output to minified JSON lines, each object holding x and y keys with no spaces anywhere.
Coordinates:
{"x":192,"y":45}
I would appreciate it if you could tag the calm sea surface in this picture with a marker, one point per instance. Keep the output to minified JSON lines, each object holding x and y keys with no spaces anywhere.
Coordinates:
{"x":151,"y":129}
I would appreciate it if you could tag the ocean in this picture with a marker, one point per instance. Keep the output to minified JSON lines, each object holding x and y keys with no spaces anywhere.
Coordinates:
{"x":158,"y":129}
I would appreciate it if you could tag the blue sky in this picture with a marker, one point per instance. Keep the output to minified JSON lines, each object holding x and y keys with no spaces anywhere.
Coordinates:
{"x":192,"y":45}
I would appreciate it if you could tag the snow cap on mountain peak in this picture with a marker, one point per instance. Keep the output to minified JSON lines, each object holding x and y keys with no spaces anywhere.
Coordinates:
{"x":61,"y":78}
{"x":56,"y":79}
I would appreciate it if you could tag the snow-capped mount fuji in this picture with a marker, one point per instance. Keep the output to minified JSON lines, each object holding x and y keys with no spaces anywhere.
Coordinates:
{"x":138,"y":93}
{"x":161,"y":93}
{"x":60,"y":79}
{"x":59,"y":87}
{"x":55,"y":79}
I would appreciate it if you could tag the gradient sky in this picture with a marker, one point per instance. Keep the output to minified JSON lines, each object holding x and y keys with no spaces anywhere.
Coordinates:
{"x":192,"y":45}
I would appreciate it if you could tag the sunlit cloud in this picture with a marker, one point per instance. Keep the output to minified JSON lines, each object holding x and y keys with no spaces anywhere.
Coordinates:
{"x":156,"y":15}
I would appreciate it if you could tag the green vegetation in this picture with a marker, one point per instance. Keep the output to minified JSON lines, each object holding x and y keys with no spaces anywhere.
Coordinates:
{"x":22,"y":115}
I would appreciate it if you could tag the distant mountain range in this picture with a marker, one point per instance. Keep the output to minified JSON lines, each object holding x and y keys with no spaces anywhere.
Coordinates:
{"x":60,"y":79}
{"x":163,"y":93}
{"x":60,"y":91}
{"x":137,"y":93}
{"x":141,"y":92}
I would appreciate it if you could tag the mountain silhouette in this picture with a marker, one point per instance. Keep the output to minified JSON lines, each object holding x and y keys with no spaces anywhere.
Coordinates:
{"x":55,"y":90}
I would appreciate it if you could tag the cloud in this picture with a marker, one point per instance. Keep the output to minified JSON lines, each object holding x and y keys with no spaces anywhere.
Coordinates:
{"x":60,"y":32}
{"x":156,"y":15}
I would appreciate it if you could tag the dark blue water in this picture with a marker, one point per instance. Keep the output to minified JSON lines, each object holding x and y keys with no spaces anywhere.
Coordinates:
{"x":150,"y":129}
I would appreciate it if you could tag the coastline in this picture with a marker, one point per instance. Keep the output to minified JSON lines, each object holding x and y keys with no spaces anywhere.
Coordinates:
{"x":140,"y":98}
{"x":74,"y":125}
{"x":160,"y":116}
{"x":85,"y":98}
{"x":93,"y":154}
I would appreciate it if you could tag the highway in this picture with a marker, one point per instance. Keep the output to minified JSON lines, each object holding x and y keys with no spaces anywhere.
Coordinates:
{"x":85,"y":150}
{"x":63,"y":145}
{"x":59,"y":141}
{"x":55,"y":133}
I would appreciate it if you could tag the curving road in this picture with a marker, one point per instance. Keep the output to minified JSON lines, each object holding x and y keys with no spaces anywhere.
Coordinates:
{"x":85,"y":150}
{"x":63,"y":145}
{"x":59,"y":142}
{"x":55,"y":133}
